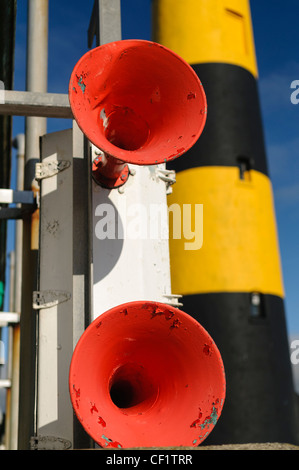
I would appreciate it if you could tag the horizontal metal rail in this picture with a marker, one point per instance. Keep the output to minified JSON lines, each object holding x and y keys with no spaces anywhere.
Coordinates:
{"x":5,"y":383}
{"x":10,"y":196}
{"x":28,"y":103}
{"x":9,"y":318}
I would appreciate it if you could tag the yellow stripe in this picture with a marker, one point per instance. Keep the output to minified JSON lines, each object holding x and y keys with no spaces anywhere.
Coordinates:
{"x":204,"y":31}
{"x":240,"y":251}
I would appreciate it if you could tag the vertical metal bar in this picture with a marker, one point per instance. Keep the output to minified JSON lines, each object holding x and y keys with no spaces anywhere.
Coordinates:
{"x":105,"y":22}
{"x":15,"y":304}
{"x":19,"y":144}
{"x":55,"y":341}
{"x":64,"y":265}
{"x":37,"y":58}
{"x":82,"y":258}
{"x":9,"y":362}
{"x":109,"y":21}
{"x":37,"y":73}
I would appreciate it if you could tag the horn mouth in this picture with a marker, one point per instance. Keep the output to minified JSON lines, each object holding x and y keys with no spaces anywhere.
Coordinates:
{"x":137,"y":101}
{"x":132,"y":389}
{"x":145,"y":374}
{"x":126,"y":130}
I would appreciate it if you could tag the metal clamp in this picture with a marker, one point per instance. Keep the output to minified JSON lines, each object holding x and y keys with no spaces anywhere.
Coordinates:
{"x":173,"y":299}
{"x":51,"y":168}
{"x":49,"y":299}
{"x":49,"y":443}
{"x":169,"y":176}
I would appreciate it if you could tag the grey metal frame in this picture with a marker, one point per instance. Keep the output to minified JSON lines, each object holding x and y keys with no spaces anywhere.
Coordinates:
{"x":29,"y":103}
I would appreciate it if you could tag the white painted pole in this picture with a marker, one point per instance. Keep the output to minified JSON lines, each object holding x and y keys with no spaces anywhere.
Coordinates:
{"x":37,"y":72}
{"x":37,"y":79}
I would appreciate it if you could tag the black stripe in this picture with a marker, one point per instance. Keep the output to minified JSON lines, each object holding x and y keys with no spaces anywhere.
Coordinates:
{"x":260,"y":400}
{"x":234,"y":127}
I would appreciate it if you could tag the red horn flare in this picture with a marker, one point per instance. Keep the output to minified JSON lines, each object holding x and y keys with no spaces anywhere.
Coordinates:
{"x":145,"y":374}
{"x":138,"y":102}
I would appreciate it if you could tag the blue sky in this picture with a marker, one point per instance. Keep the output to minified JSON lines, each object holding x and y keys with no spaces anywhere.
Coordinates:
{"x":276,"y":40}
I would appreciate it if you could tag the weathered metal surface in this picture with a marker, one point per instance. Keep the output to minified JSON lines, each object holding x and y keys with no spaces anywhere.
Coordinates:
{"x":51,"y":298}
{"x":105,"y":22}
{"x":10,"y":196}
{"x":51,"y":168}
{"x":39,"y":104}
{"x":8,"y":318}
{"x":49,"y":443}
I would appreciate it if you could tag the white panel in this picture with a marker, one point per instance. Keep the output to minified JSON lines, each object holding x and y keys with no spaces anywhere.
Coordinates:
{"x":54,"y":411}
{"x":130,"y":241}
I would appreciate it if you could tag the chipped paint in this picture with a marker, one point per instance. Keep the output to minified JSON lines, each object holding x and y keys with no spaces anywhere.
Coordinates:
{"x":81,"y":84}
{"x":191,"y":96}
{"x":106,"y":439}
{"x":207,"y":349}
{"x":110,"y":443}
{"x":124,"y":311}
{"x":210,"y":419}
{"x":179,"y":152}
{"x":123,"y":54}
{"x":77,"y":391}
{"x":155,"y":311}
{"x":101,"y":421}
{"x":77,"y":396}
{"x":176,"y":323}
{"x":93,"y":408}
{"x":104,"y":118}
{"x":168,"y":314}
{"x":196,"y":423}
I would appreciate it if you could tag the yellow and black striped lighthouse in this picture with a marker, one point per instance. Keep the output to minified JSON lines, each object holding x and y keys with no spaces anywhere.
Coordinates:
{"x":233,"y":283}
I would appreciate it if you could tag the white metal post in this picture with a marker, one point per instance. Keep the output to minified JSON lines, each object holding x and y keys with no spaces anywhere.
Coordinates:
{"x":63,"y":298}
{"x":37,"y":71}
{"x":54,"y":298}
{"x":36,"y":79}
{"x":15,"y":306}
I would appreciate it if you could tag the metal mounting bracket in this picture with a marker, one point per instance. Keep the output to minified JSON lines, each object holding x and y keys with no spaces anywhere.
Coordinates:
{"x":51,"y":168}
{"x":173,"y":299}
{"x":48,"y":299}
{"x":49,"y":443}
{"x":168,"y":176}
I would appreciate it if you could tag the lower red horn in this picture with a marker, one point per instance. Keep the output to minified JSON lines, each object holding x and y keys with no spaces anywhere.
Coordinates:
{"x":145,"y":374}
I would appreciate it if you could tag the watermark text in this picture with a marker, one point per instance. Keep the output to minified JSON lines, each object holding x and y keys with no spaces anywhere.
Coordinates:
{"x":295,"y":352}
{"x":152,"y":221}
{"x":295,"y":94}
